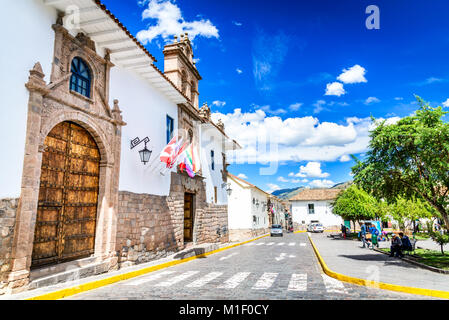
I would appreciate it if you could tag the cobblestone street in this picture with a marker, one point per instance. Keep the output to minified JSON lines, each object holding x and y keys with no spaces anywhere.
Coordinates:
{"x":283,"y":268}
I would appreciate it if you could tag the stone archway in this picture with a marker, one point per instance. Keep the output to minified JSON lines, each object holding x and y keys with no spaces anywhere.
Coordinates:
{"x":68,"y":196}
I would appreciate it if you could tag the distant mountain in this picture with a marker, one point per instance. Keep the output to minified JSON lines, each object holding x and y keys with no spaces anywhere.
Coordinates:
{"x":277,"y":193}
{"x":286,"y":194}
{"x":343,"y":185}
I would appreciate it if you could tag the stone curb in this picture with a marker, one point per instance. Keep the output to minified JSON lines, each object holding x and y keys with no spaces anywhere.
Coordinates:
{"x":422,"y":265}
{"x":376,"y":284}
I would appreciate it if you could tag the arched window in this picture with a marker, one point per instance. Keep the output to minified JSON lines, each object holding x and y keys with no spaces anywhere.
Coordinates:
{"x":81,"y":78}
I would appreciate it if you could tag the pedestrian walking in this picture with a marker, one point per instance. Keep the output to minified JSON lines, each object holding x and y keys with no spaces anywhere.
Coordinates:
{"x":374,"y":238}
{"x":343,"y":231}
{"x":396,"y":246}
{"x":363,"y":235}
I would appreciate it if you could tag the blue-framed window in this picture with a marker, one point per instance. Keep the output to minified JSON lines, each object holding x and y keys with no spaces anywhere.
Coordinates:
{"x":170,"y":128}
{"x":212,"y":159}
{"x":81,"y":77}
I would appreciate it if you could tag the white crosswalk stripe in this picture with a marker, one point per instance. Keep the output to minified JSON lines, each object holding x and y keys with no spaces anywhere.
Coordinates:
{"x":302,"y":244}
{"x":251,"y":244}
{"x":291,"y":244}
{"x":229,"y":256}
{"x":235,"y":280}
{"x":281,"y":243}
{"x":333,"y":285}
{"x":204,"y":280}
{"x":270,"y":244}
{"x":260,"y":244}
{"x":146,"y":279}
{"x":265,"y":281}
{"x":177,"y":279}
{"x":298,"y":282}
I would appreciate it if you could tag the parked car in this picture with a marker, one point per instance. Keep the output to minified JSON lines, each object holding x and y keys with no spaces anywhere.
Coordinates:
{"x":276,"y":230}
{"x":315,"y":227}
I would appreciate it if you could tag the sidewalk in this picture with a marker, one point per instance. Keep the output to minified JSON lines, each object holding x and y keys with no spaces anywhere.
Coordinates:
{"x":349,"y":258}
{"x":430,"y":245}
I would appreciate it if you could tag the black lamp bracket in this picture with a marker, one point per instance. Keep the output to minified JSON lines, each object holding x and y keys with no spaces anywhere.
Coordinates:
{"x":135,"y":142}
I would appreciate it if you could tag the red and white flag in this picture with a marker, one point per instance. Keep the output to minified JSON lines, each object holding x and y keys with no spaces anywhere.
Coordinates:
{"x":171,"y":152}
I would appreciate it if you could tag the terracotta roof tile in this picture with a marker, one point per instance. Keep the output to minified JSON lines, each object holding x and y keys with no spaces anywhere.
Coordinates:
{"x":316,"y":194}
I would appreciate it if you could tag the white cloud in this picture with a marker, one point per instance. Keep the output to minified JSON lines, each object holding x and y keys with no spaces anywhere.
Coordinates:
{"x":335,"y":89}
{"x":242,"y":176}
{"x":268,"y":109}
{"x":345,"y":158}
{"x":273,"y":187}
{"x":312,"y":170}
{"x":268,"y":53}
{"x":370,"y":100}
{"x":219,"y":103}
{"x":321,"y":183}
{"x":398,"y":98}
{"x":239,"y":71}
{"x":169,"y":22}
{"x":295,"y":106}
{"x":295,"y":138}
{"x":355,"y":74}
{"x":238,"y":24}
{"x":319,"y":106}
{"x":446,"y":103}
{"x":282,"y":179}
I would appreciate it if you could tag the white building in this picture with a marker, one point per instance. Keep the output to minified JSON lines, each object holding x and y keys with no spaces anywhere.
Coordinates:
{"x":247,"y":209}
{"x":79,"y":92}
{"x":314,"y":205}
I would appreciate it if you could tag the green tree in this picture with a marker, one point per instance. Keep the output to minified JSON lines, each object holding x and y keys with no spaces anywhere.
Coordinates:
{"x":406,"y":211}
{"x":354,"y":204}
{"x":409,"y":158}
{"x":440,"y":238}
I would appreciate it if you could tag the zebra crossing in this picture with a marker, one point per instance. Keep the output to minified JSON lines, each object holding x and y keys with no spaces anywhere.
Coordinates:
{"x":193,"y":279}
{"x":280,"y":244}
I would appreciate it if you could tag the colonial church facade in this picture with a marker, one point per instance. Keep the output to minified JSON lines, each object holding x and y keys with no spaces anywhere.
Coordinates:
{"x":82,"y":97}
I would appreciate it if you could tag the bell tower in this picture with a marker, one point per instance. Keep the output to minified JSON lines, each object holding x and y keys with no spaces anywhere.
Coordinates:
{"x":180,"y":68}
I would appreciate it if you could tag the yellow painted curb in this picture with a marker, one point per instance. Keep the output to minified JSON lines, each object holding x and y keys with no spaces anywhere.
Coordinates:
{"x":104,"y":282}
{"x":375,"y":284}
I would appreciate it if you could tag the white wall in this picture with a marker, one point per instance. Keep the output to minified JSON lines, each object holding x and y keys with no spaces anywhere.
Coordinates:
{"x":212,"y":139}
{"x":144,"y":110}
{"x":27,"y":38}
{"x":323,"y":213}
{"x":260,"y":211}
{"x":239,"y":207}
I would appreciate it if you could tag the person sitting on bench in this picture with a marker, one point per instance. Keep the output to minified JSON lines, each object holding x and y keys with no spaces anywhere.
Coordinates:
{"x":396,"y":247}
{"x":406,"y":244}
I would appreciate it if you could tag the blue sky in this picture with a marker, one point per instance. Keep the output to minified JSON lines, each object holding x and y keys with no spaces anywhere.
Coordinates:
{"x":273,"y":60}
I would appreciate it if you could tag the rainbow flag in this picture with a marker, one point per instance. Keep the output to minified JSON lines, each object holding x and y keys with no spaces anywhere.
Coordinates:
{"x":190,"y":161}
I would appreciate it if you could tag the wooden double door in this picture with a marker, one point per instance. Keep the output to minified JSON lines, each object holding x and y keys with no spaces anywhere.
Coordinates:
{"x":188,"y":217}
{"x":68,"y":196}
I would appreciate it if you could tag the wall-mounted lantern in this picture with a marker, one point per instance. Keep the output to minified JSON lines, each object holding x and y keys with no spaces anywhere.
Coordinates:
{"x":145,"y":154}
{"x":228,"y":188}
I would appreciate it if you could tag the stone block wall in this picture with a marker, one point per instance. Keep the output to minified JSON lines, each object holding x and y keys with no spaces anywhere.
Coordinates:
{"x":150,"y":227}
{"x":8,"y":208}
{"x":212,"y":225}
{"x":146,"y":227}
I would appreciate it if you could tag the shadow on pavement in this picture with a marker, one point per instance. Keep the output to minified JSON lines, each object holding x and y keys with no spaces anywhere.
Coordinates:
{"x":379,"y":258}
